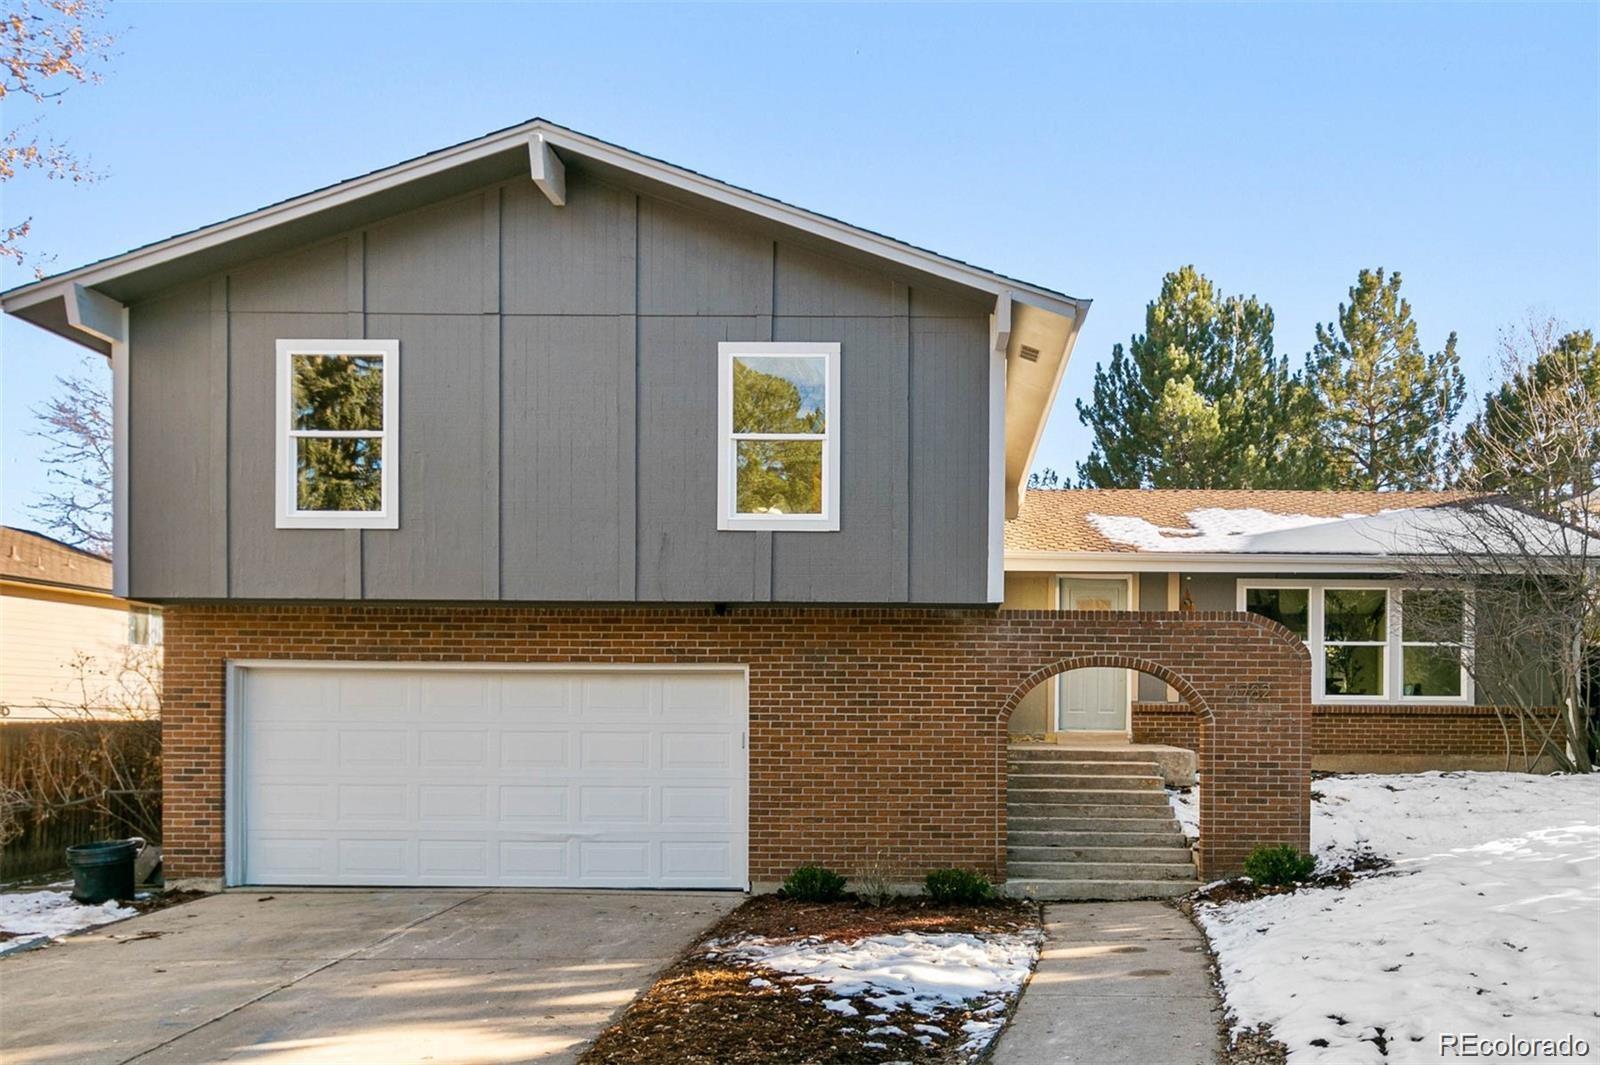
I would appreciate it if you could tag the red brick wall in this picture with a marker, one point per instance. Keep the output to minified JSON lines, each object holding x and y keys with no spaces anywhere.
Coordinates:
{"x":1372,"y":738}
{"x":875,"y":734}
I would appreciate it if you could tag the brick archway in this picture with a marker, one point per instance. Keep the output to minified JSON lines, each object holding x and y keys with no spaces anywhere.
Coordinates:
{"x":1246,"y":679}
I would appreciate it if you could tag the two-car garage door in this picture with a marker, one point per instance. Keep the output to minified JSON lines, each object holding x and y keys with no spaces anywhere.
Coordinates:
{"x":488,"y":777}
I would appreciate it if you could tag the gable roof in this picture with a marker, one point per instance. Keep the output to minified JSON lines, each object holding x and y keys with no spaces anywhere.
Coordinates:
{"x":475,"y":163}
{"x":33,"y":557}
{"x":1135,"y":520}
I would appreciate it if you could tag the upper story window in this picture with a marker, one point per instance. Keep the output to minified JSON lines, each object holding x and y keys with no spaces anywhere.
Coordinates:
{"x":338,"y":434}
{"x":1373,"y":643}
{"x":778,"y":436}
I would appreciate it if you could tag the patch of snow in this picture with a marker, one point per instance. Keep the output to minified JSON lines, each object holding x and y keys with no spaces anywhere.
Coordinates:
{"x":756,"y":981}
{"x":1488,"y":923}
{"x":930,"y":975}
{"x":875,"y":1045}
{"x":35,"y":915}
{"x":1212,"y":528}
{"x":1185,"y":803}
{"x":937,"y":1033}
{"x":842,"y":1007}
{"x":886,"y":1029}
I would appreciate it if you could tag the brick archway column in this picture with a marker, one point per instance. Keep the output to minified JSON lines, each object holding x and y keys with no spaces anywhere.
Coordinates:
{"x":1246,"y":678}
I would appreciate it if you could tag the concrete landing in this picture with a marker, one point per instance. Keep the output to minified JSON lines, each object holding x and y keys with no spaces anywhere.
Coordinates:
{"x":1177,"y":764}
{"x":1118,"y":983}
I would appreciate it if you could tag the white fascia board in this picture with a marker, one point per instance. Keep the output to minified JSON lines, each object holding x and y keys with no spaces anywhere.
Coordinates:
{"x":1195,"y":562}
{"x":568,"y":141}
{"x":999,"y":343}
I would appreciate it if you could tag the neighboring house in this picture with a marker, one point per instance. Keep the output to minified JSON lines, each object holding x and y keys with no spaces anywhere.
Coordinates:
{"x":1322,"y":564}
{"x":65,"y":639}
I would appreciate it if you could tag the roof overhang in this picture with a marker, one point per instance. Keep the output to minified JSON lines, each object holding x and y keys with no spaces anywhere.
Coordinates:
{"x":539,"y":150}
{"x":1195,"y":562}
{"x":1038,"y":342}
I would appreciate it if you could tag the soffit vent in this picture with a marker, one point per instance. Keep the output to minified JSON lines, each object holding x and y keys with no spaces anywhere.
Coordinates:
{"x":1028,"y":354}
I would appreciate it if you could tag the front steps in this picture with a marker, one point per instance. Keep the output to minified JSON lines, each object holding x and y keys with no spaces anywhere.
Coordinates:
{"x":1091,"y":824}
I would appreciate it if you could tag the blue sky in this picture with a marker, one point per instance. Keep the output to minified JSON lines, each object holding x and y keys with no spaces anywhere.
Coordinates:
{"x":1088,"y":148}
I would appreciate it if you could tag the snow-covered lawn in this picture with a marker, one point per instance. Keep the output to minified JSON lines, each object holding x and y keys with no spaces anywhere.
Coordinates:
{"x":930,"y":975}
{"x":1488,"y":923}
{"x":31,"y":916}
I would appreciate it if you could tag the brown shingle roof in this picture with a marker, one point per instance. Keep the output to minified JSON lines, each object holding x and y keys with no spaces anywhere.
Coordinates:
{"x":35,"y":557}
{"x":1057,"y":520}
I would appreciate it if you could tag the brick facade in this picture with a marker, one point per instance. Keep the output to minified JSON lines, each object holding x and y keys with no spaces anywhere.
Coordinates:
{"x":1373,"y":738}
{"x":876,"y":735}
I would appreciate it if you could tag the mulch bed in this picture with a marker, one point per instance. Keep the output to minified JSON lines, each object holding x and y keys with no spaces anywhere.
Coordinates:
{"x":703,"y":1009}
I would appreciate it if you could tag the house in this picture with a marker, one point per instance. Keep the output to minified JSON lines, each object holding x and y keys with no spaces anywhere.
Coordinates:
{"x":538,"y":513}
{"x":1323,"y":564}
{"x":65,"y":639}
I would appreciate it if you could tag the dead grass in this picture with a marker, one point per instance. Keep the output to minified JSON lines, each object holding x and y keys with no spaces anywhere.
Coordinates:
{"x":704,"y":1010}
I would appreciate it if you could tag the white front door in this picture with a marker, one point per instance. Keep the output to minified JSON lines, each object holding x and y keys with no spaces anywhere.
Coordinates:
{"x":1093,"y":700}
{"x":490,"y":777}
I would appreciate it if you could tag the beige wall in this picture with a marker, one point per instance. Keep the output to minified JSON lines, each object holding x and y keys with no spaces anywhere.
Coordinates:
{"x":1032,"y":591}
{"x":41,"y":631}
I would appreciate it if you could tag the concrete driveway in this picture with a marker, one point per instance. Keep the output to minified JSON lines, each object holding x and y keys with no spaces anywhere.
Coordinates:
{"x":397,"y":976}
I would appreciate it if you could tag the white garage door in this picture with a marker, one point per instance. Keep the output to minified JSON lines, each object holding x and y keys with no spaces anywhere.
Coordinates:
{"x":535,"y":778}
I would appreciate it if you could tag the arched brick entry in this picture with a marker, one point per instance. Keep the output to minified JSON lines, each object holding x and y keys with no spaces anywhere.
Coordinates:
{"x":1246,"y":679}
{"x":877,"y":735}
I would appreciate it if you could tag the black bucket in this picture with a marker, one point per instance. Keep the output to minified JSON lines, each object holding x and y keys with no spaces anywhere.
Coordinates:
{"x":103,"y":871}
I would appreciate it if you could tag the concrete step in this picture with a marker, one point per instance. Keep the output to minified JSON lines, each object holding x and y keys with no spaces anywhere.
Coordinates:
{"x":1167,"y":838}
{"x":1055,"y":752}
{"x":1135,"y":872}
{"x":1060,"y":814}
{"x":1154,"y":797}
{"x":1025,"y":766}
{"x":1073,"y":782}
{"x":1097,"y":890}
{"x":1073,"y":852}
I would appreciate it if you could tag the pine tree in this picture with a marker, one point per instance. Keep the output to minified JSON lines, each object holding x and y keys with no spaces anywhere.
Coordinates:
{"x":1198,"y":400}
{"x":1385,"y":407}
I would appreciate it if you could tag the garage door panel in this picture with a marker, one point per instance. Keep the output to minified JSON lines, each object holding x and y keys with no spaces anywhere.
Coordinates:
{"x":488,"y":777}
{"x":535,"y":750}
{"x":374,"y":748}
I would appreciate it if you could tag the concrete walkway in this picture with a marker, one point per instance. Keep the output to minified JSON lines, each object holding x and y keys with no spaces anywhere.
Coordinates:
{"x":1118,"y":983}
{"x":305,"y":977}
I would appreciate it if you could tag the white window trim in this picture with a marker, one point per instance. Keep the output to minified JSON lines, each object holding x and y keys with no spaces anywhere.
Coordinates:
{"x":1394,"y":659}
{"x":289,"y":517}
{"x":728,"y":519}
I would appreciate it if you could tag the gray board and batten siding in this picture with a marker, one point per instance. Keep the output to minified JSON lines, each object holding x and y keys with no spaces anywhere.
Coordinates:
{"x":558,"y":411}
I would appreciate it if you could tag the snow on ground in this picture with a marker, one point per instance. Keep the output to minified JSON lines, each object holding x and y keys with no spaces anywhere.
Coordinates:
{"x":931,"y":975}
{"x":1185,"y":803}
{"x":35,"y":915}
{"x":1488,"y":923}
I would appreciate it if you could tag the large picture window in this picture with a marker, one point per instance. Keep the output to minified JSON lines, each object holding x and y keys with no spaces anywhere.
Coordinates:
{"x":1373,"y":643}
{"x":338,"y":434}
{"x":778,"y":436}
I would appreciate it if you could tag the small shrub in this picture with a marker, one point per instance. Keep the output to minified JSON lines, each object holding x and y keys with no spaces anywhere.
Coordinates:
{"x":1278,"y":865}
{"x":959,"y":886}
{"x":873,"y":888}
{"x":813,"y":883}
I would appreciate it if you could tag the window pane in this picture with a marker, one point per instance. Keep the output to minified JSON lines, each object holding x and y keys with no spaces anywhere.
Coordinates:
{"x":339,"y":473}
{"x":1354,"y":614}
{"x":1430,"y":671}
{"x":1289,"y":607}
{"x":779,"y":393}
{"x":1432,"y":616}
{"x":779,"y":476}
{"x":1354,"y":671}
{"x":337,"y":392}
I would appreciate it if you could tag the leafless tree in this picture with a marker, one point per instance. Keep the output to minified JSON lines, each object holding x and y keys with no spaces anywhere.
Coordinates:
{"x":76,"y":508}
{"x":1524,"y":551}
{"x":46,"y":47}
{"x":102,"y":756}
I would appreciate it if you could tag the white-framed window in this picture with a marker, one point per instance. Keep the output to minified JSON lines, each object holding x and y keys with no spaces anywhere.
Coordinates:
{"x":338,"y":430}
{"x":778,"y":436}
{"x":1362,"y":649}
{"x":144,"y":626}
